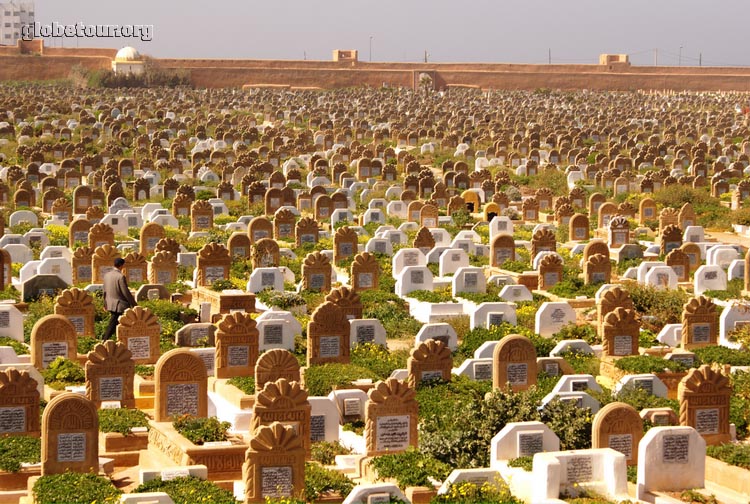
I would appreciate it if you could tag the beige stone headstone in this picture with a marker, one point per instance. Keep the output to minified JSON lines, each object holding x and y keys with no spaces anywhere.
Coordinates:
{"x":82,"y":265}
{"x":286,"y":402}
{"x":700,"y":323}
{"x":391,"y":416}
{"x":348,"y":300}
{"x":514,"y":363}
{"x":306,"y":231}
{"x":620,"y":333}
{"x":70,"y":435}
{"x":284,"y":225}
{"x":181,"y":385}
{"x":19,"y":404}
{"x":693,"y":251}
{"x":259,"y":228}
{"x":77,"y":305}
{"x":265,"y":253}
{"x":275,"y":364}
{"x":101,"y":234}
{"x":274,"y":464}
{"x":201,"y":216}
{"x":430,"y":360}
{"x":550,"y":271}
{"x":150,"y":235}
{"x":163,"y":268}
{"x":502,"y":249}
{"x":138,"y":330}
{"x":597,"y":269}
{"x":671,"y":239}
{"x":135,"y":268}
{"x":213,"y":264}
{"x":578,"y":228}
{"x":365,"y":272}
{"x":53,"y":336}
{"x":109,"y":374}
{"x":316,"y":272}
{"x":236,"y":346}
{"x":704,"y":396}
{"x":345,"y":242}
{"x":618,"y":426}
{"x":102,"y":261}
{"x":328,"y":335}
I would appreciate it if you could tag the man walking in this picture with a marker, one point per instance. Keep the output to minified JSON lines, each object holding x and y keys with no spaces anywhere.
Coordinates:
{"x":117,"y":296}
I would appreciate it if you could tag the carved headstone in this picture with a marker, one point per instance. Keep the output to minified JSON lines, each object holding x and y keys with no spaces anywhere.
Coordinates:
{"x":618,"y":426}
{"x":109,"y":374}
{"x":181,"y":385}
{"x":391,"y":416}
{"x":274,"y":464}
{"x":514,"y":363}
{"x":53,"y":336}
{"x":70,"y":435}
{"x":236,"y":346}
{"x":704,"y":396}
{"x":430,"y":360}
{"x":328,"y":335}
{"x":138,"y":330}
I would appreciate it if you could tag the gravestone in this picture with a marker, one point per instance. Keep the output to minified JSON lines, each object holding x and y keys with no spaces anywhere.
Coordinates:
{"x":19,"y":403}
{"x":274,"y":464}
{"x":70,"y":435}
{"x":101,"y":234}
{"x":102,"y":261}
{"x":429,"y":360}
{"x":237,"y":346}
{"x":78,"y":307}
{"x":345,"y":243}
{"x":670,"y":459}
{"x":618,"y":426}
{"x":328,"y":335}
{"x":11,"y":322}
{"x":239,"y":246}
{"x":670,"y":239}
{"x":348,"y":300}
{"x":265,"y":253}
{"x":259,"y":228}
{"x":284,"y":225}
{"x":543,"y":240}
{"x":150,"y":235}
{"x":109,"y":374}
{"x":700,"y":324}
{"x":550,"y":271}
{"x":522,"y":439}
{"x":619,"y":232}
{"x":213,"y":264}
{"x":201,"y":216}
{"x":306,"y":231}
{"x":503,"y":249}
{"x":286,"y":402}
{"x":53,"y":336}
{"x":680,"y":263}
{"x":163,"y":268}
{"x":390,"y":418}
{"x":553,"y":316}
{"x":620,"y":333}
{"x":181,"y":385}
{"x":578,"y":228}
{"x":138,"y":330}
{"x":365,"y":272}
{"x":135,"y":268}
{"x":514,"y":363}
{"x":597,"y":269}
{"x":82,"y":265}
{"x":274,"y":365}
{"x":316,"y":272}
{"x":704,"y":396}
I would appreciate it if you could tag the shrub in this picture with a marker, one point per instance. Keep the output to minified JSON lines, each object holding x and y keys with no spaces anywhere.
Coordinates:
{"x":145,"y":370}
{"x":641,"y":364}
{"x":665,"y":306}
{"x":245,"y":383}
{"x":282,"y":300}
{"x":467,"y":492}
{"x":42,"y":307}
{"x":221,"y":285}
{"x":722,"y":355}
{"x":572,"y":331}
{"x":201,"y":430}
{"x":524,"y":463}
{"x":121,"y":420}
{"x":378,"y":359}
{"x":410,"y":468}
{"x":735,"y":454}
{"x":188,"y":490}
{"x":15,"y":450}
{"x":75,"y":488}
{"x":582,"y":363}
{"x":17,"y":346}
{"x":320,"y":481}
{"x":391,"y":311}
{"x":326,"y":451}
{"x":62,"y":372}
{"x":320,"y":380}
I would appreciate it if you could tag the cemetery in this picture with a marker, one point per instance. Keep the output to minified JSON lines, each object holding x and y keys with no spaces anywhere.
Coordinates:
{"x":375,"y":296}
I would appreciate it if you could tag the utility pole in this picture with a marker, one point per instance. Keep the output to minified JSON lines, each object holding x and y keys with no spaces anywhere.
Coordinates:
{"x":679,"y":57}
{"x":656,"y":57}
{"x":370,"y":48}
{"x":304,"y":55}
{"x":549,"y":56}
{"x":425,"y":55}
{"x":700,"y":59}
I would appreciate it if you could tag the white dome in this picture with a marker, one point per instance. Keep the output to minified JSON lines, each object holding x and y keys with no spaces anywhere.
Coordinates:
{"x":128,"y":54}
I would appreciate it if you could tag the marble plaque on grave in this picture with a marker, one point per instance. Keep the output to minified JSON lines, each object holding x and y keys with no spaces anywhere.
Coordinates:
{"x":71,"y":447}
{"x":317,"y":280}
{"x":517,"y":373}
{"x":135,"y":275}
{"x":431,"y":375}
{"x":579,"y":385}
{"x":80,"y":236}
{"x":267,"y":279}
{"x":285,"y":229}
{"x":482,"y":371}
{"x":214,"y":273}
{"x":352,"y":407}
{"x":701,"y":333}
{"x":365,"y":280}
{"x":470,"y":280}
{"x":12,"y":419}
{"x":623,"y":345}
{"x":392,"y":433}
{"x":707,"y":421}
{"x":411,"y":259}
{"x":598,"y":277}
{"x":579,"y":469}
{"x":623,"y":443}
{"x":276,"y":481}
{"x":151,"y":242}
{"x":552,"y":368}
{"x":140,"y":347}
{"x":197,"y":334}
{"x":239,"y":251}
{"x":660,"y":419}
{"x":79,"y":323}
{"x":179,"y":472}
{"x":530,"y":443}
{"x":164,"y":277}
{"x":417,"y":277}
{"x":238,"y":355}
{"x":345,"y":249}
{"x":202,"y":221}
{"x":272,"y":334}
{"x":4,"y":319}
{"x":307,"y":238}
{"x":84,"y":272}
{"x":317,"y":428}
{"x":182,"y":398}
{"x":675,"y":448}
{"x":551,"y":278}
{"x":110,"y":388}
{"x":365,"y":333}
{"x":495,"y":319}
{"x":329,"y":346}
{"x":52,"y":350}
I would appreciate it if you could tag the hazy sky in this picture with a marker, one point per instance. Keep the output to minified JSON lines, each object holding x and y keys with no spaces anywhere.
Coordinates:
{"x":576,"y":31}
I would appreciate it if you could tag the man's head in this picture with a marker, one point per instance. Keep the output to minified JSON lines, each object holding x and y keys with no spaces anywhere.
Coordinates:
{"x":119,"y":263}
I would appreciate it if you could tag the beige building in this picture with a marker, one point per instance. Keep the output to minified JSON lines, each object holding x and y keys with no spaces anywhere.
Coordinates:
{"x":13,"y":17}
{"x":127,"y":60}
